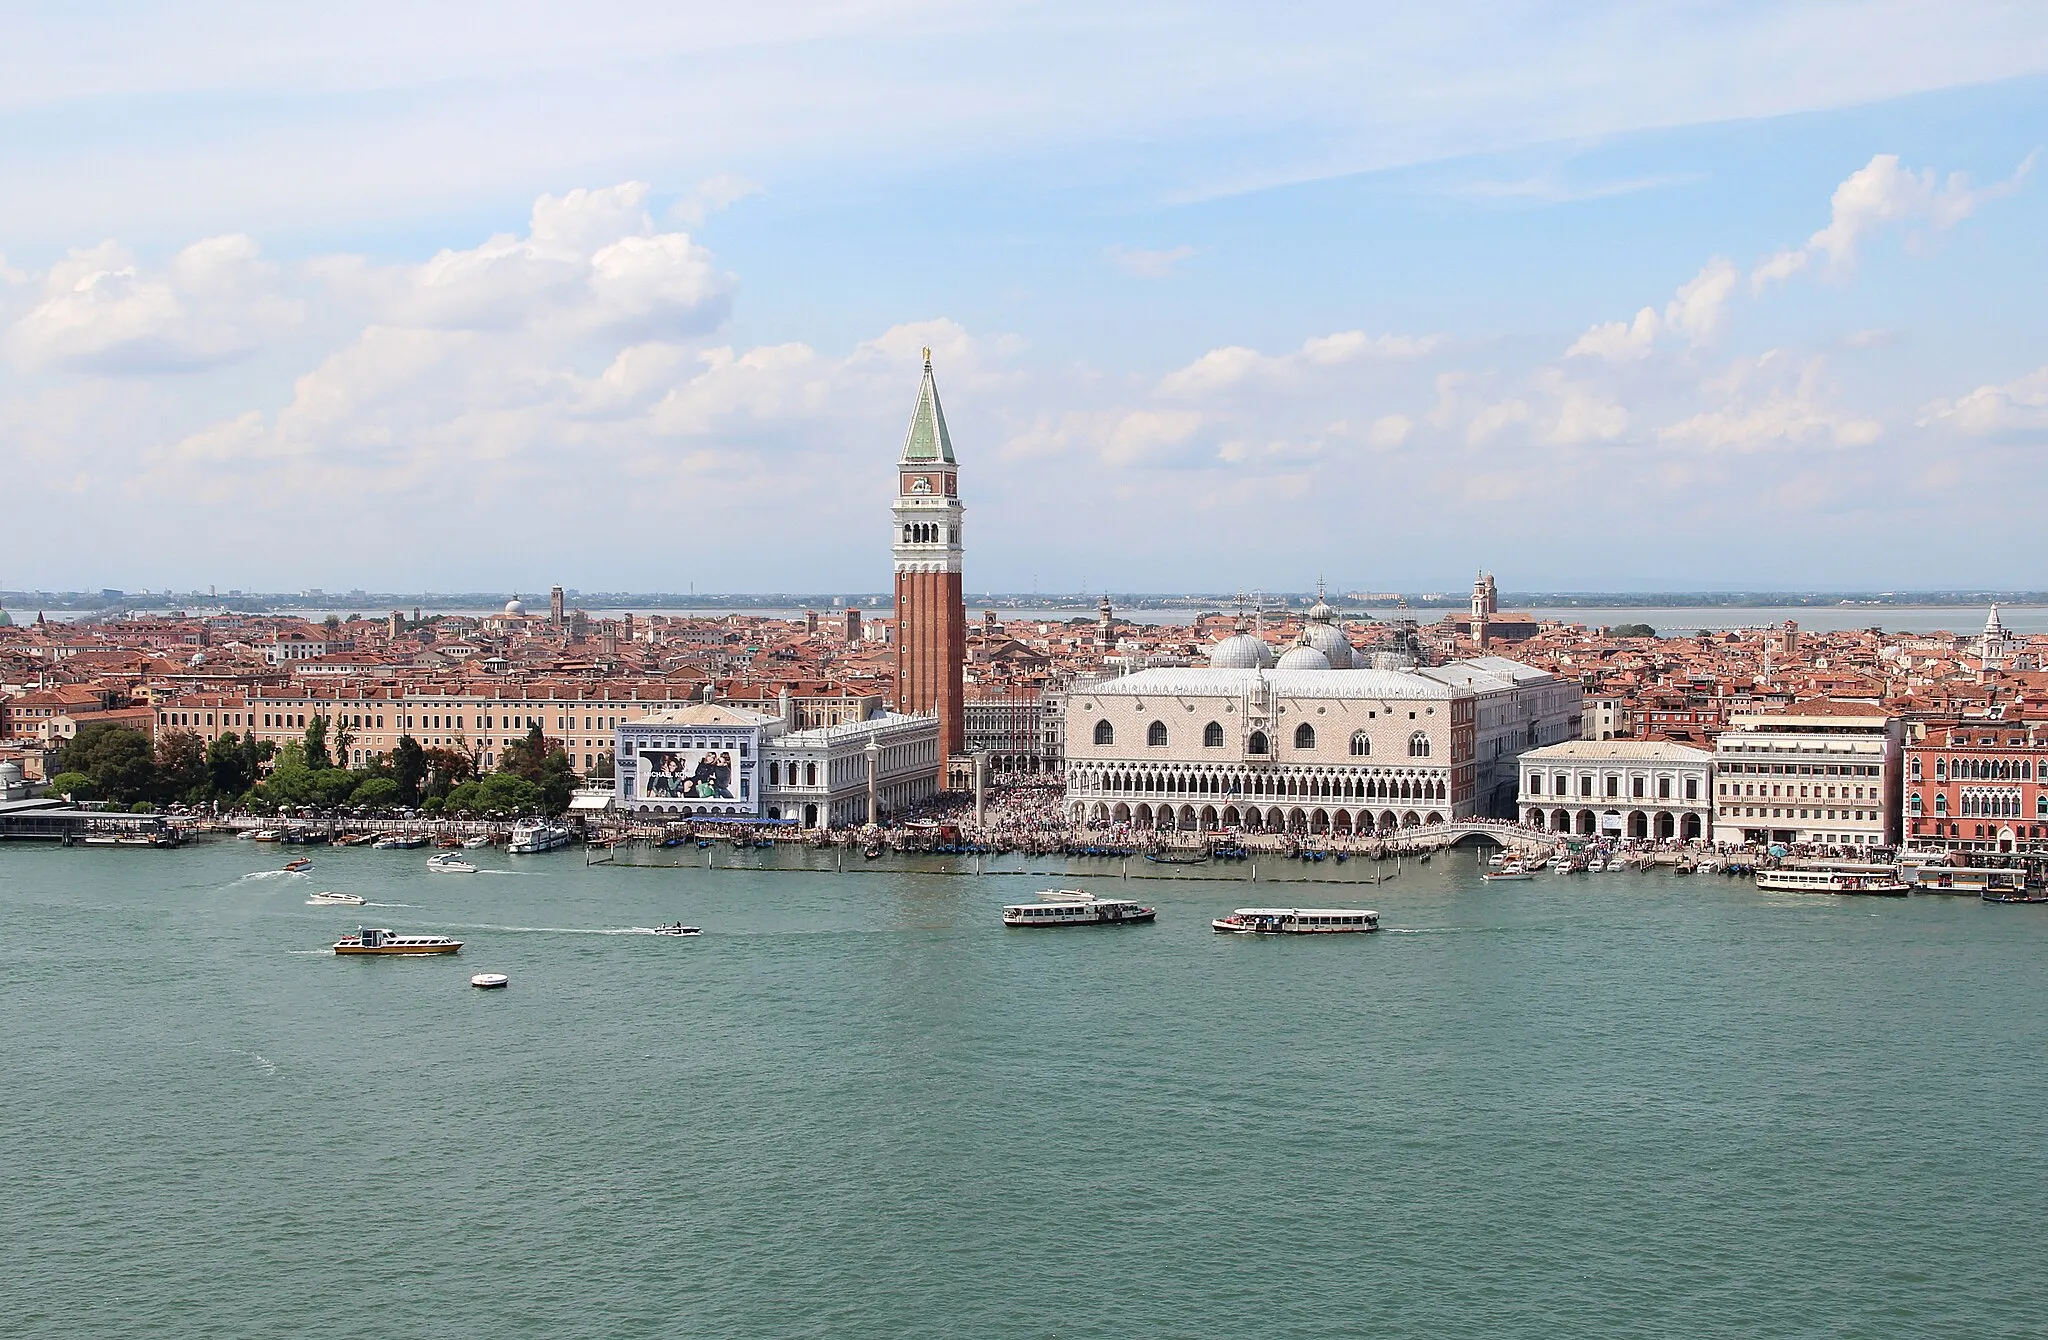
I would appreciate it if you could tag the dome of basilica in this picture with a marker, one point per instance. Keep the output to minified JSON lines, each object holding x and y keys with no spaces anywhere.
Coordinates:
{"x":1328,"y":640}
{"x":1240,"y":652}
{"x":515,"y":606}
{"x":1302,"y":656}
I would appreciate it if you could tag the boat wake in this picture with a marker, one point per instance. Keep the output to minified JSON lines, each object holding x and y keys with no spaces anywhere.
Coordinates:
{"x":272,"y":874}
{"x":308,"y":952}
{"x":263,"y":1063}
{"x":560,"y":930}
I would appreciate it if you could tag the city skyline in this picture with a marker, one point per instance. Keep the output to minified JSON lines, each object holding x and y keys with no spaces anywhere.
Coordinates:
{"x":1673,"y":329}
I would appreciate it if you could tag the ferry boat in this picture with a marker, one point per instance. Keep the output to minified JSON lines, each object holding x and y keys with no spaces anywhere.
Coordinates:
{"x":331,"y":899}
{"x":1833,"y":877}
{"x":1297,"y":921}
{"x":1072,"y":907}
{"x":1962,"y":878}
{"x":378,"y":940}
{"x":531,"y":836}
{"x":450,"y":863}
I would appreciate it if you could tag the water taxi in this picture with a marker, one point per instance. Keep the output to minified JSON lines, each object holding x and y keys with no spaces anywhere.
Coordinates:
{"x":1834,"y":877}
{"x":378,"y":940}
{"x":331,"y":899}
{"x":1297,"y":921}
{"x":1072,"y":907}
{"x":450,"y":863}
{"x":532,"y":836}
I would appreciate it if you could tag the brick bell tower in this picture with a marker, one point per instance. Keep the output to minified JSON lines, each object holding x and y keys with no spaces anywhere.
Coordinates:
{"x":931,"y":617}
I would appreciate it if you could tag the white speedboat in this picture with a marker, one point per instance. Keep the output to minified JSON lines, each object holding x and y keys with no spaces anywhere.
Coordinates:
{"x":1506,"y":872}
{"x":677,"y":928}
{"x":480,"y":840}
{"x":450,"y":863}
{"x":531,"y":836}
{"x":490,"y":981}
{"x":331,"y":899}
{"x":1297,"y":921}
{"x":1072,"y":907}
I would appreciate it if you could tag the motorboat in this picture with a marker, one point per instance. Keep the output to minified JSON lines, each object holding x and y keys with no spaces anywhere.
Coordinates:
{"x":1072,"y":907}
{"x":490,"y":981}
{"x":298,"y":866}
{"x":533,"y":836}
{"x":677,"y":928}
{"x":450,"y":863}
{"x":380,"y":940}
{"x":872,"y":854}
{"x":1506,"y":872}
{"x":331,"y":899}
{"x":1297,"y":921}
{"x":400,"y":842}
{"x":480,"y":840}
{"x":2014,"y":896}
{"x":265,"y":835}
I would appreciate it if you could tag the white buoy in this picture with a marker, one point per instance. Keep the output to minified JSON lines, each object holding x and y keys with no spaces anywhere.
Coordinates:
{"x":490,"y":981}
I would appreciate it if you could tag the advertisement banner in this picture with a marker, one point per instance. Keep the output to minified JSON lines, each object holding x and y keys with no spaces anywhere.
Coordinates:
{"x":690,"y":774}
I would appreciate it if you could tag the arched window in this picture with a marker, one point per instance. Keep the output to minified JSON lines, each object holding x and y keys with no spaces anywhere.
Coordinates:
{"x":774,"y":774}
{"x":1257,"y":744}
{"x":1304,"y":736}
{"x":1212,"y":735}
{"x":810,"y":774}
{"x":1155,"y":735}
{"x":2041,"y":806}
{"x":1914,"y":804}
{"x":1940,"y":803}
{"x":1360,"y":746}
{"x":1105,"y":733}
{"x":1418,"y":745}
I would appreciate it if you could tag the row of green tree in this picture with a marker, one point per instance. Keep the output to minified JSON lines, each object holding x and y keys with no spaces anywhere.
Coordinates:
{"x":120,"y":765}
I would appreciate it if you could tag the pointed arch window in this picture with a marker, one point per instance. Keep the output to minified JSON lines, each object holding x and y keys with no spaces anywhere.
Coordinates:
{"x":1418,"y":745}
{"x":1155,"y":735}
{"x":1304,"y":736}
{"x":1361,"y":746}
{"x":1257,"y":744}
{"x":1105,"y":733}
{"x":1212,"y":735}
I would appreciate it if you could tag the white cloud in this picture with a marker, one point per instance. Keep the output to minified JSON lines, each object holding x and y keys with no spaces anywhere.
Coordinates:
{"x":1695,"y":313}
{"x":1142,"y":264}
{"x":1880,"y":193}
{"x":1990,"y":411}
{"x":713,"y":195}
{"x":104,"y":312}
{"x":1772,"y":402}
{"x":1234,"y":365}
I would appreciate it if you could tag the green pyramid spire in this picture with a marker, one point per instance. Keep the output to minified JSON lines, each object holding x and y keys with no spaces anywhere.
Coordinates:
{"x":928,"y":440}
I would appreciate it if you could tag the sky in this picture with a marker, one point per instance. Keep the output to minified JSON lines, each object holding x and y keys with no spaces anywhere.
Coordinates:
{"x":631,"y":296}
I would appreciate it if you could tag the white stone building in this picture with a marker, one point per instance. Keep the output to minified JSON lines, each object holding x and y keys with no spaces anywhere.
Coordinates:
{"x":1825,"y":773}
{"x":1518,"y":708}
{"x":1619,"y":789}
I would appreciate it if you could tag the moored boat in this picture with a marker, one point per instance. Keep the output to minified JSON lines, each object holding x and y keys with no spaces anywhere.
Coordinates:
{"x":1072,"y":907}
{"x":380,"y":940}
{"x":1851,"y":877}
{"x":533,"y":836}
{"x":1506,"y":873}
{"x":1297,"y":921}
{"x":400,"y":842}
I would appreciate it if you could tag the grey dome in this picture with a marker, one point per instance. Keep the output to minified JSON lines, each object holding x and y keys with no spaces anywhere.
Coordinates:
{"x":1240,"y":652}
{"x":1328,"y":640}
{"x":1304,"y":657}
{"x":1392,"y":660}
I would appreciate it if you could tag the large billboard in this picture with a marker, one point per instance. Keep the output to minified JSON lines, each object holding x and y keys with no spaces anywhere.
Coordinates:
{"x":691,"y":774}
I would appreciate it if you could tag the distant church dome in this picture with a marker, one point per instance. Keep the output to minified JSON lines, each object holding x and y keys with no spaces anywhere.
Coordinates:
{"x":1392,"y":660}
{"x":515,"y":606}
{"x":1240,"y":652}
{"x":1303,"y":657}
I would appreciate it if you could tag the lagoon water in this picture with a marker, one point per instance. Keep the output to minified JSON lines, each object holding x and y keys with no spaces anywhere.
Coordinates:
{"x":1623,"y":1105}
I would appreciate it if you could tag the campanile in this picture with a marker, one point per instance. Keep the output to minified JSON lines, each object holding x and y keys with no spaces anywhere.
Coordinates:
{"x":931,"y":619}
